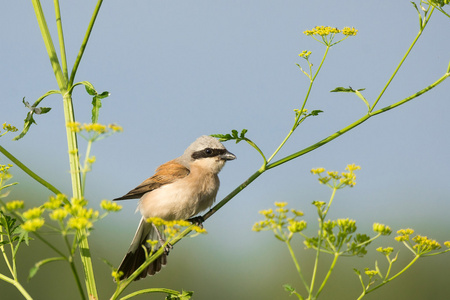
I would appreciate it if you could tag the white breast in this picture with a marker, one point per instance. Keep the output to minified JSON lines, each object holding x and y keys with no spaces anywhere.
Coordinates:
{"x":182,"y":199}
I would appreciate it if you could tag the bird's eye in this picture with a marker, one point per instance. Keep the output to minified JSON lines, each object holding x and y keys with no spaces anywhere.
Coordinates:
{"x":208,"y":151}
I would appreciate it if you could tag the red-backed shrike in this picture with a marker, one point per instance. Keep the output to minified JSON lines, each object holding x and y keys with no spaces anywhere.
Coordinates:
{"x":180,"y":189}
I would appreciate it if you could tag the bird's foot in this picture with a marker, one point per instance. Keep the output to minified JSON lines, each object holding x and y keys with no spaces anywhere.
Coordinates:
{"x":197,"y":221}
{"x":167,"y":248}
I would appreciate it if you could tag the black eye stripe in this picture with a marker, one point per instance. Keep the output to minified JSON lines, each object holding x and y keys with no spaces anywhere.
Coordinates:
{"x":208,"y":152}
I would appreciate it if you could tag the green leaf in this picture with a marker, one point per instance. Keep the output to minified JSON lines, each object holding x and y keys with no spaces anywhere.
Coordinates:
{"x":39,"y":264}
{"x":89,"y":88}
{"x":96,"y":105}
{"x":315,"y":112}
{"x":288,"y":288}
{"x":345,"y":90}
{"x":34,"y":109}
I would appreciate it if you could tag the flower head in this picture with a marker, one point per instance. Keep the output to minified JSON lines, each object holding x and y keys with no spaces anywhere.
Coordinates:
{"x":386,"y":251}
{"x":14,"y":205}
{"x":110,"y":206}
{"x":403,"y":234}
{"x":349,"y":31}
{"x":33,"y":224}
{"x":33,"y":213}
{"x":305,"y":54}
{"x":382,"y":229}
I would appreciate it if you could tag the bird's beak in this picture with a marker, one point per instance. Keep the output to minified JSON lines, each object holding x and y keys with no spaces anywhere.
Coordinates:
{"x":228,"y":156}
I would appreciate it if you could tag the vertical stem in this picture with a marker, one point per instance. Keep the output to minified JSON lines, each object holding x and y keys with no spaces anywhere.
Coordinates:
{"x":75,"y":168}
{"x":85,"y":167}
{"x":74,"y":161}
{"x":62,"y":83}
{"x":62,"y":48}
{"x":297,"y":265}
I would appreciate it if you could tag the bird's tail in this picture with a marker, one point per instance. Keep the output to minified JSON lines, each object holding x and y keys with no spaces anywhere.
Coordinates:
{"x":136,"y":254}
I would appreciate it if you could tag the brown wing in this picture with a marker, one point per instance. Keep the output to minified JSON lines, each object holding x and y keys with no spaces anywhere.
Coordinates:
{"x":166,"y":173}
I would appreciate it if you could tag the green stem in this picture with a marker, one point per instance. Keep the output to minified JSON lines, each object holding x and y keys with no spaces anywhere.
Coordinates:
{"x":85,"y":167}
{"x":77,"y":278}
{"x":423,"y":91}
{"x":62,"y":47}
{"x":151,"y":290}
{"x":62,"y":83}
{"x":401,"y":62}
{"x":24,"y":168}
{"x":316,"y":261}
{"x":17,"y":285}
{"x":233,"y":193}
{"x":5,"y":256}
{"x":85,"y":41}
{"x":297,"y":265}
{"x":333,"y":264}
{"x":318,"y":144}
{"x":74,"y":162}
{"x":393,"y":277}
{"x":303,"y":106}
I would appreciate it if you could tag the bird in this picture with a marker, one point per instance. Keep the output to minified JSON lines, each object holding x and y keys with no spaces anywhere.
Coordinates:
{"x":179,"y":190}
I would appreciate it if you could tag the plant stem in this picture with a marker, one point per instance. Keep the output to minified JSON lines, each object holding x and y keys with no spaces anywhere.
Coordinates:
{"x":311,"y":82}
{"x":401,"y":62}
{"x":74,"y":162}
{"x":297,"y":265}
{"x":393,"y":277}
{"x":62,"y":48}
{"x":24,"y":168}
{"x":62,"y":83}
{"x":85,"y":41}
{"x":17,"y":285}
{"x":333,"y":264}
{"x":151,"y":290}
{"x":85,"y":167}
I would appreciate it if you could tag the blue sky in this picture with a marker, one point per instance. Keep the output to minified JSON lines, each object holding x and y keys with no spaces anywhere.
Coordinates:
{"x":180,"y":69}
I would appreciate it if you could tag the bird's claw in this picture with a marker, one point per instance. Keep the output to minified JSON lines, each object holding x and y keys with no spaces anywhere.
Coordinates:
{"x":197,"y":221}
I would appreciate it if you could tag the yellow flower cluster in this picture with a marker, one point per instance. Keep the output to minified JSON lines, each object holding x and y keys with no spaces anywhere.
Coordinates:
{"x":370,"y":273}
{"x":305,"y":54}
{"x":8,"y":128}
{"x":34,"y":220}
{"x":424,"y":244}
{"x":94,"y":127}
{"x":349,"y":31}
{"x":403,"y":235}
{"x":14,"y":205}
{"x":321,"y":30}
{"x":278,"y":220}
{"x":110,"y":206}
{"x":386,"y":251}
{"x":4,"y":173}
{"x":382,"y":229}
{"x":337,"y":180}
{"x":327,"y":30}
{"x":60,"y":208}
